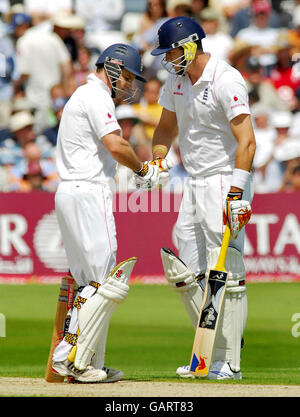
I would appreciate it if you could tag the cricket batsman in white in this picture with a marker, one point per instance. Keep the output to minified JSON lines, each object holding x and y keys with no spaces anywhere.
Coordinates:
{"x":207,"y":100}
{"x":89,"y":146}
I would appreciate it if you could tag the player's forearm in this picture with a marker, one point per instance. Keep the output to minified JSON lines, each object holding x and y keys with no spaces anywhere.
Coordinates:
{"x":244,"y":155}
{"x":125,"y":155}
{"x":242,"y":129}
{"x":162,"y":141}
{"x":243,"y":164}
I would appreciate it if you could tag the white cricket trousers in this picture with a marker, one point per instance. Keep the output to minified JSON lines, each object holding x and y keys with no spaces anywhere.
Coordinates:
{"x":84,"y":213}
{"x":199,"y":227}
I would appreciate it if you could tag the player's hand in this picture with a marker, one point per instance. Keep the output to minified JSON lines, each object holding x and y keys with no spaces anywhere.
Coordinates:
{"x":148,"y":177}
{"x":237,"y":212}
{"x":164,"y":167}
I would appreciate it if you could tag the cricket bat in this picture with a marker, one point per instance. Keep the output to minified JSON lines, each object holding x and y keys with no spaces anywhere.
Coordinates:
{"x":209,"y":313}
{"x":67,"y":293}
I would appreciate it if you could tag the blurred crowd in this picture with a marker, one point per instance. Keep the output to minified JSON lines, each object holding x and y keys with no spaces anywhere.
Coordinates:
{"x":48,"y":48}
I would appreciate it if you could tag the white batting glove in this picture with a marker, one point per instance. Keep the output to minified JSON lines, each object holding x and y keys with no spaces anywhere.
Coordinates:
{"x":148,"y":177}
{"x":164,"y":166}
{"x":237,"y":212}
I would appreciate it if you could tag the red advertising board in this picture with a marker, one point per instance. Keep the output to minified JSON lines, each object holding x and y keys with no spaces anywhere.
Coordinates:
{"x":31,"y":246}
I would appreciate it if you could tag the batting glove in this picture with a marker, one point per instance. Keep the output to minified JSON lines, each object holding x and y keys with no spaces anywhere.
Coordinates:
{"x":237,"y":212}
{"x":164,"y":166}
{"x":148,"y":177}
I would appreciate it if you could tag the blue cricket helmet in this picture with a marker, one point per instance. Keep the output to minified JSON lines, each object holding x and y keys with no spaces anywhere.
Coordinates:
{"x":176,"y":32}
{"x":126,"y":56}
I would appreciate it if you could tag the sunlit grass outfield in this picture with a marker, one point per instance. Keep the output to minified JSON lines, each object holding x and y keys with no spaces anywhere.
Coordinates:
{"x":150,"y":334}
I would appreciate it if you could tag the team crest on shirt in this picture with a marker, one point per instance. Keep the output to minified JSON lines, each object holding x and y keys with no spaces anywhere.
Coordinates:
{"x":204,"y":96}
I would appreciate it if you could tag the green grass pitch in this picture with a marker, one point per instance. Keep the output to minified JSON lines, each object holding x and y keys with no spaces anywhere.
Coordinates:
{"x":150,"y":334}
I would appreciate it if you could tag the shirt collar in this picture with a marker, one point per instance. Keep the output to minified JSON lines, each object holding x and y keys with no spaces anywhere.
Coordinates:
{"x":209,"y":71}
{"x":93,"y":78}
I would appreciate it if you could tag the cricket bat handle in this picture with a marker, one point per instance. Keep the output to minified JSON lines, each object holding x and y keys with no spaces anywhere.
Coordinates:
{"x":220,"y":266}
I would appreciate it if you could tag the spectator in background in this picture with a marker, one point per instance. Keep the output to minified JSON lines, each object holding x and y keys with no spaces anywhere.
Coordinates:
{"x":33,"y":179}
{"x":100,"y":15}
{"x":146,"y":40}
{"x":281,"y":121}
{"x":6,"y":163}
{"x":294,"y":32}
{"x":102,"y":19}
{"x":156,"y":9}
{"x":8,"y":75}
{"x":147,"y":109}
{"x":260,"y":87}
{"x":41,"y":10}
{"x":179,"y":8}
{"x":81,"y":69}
{"x":295,"y":127}
{"x":288,"y":155}
{"x":243,"y":17}
{"x":260,"y":33}
{"x":58,"y":98}
{"x":239,"y":54}
{"x":286,"y":148}
{"x":267,"y":172}
{"x":19,"y":23}
{"x":21,"y":126}
{"x":230,"y":8}
{"x":76,"y":37}
{"x":197,"y":6}
{"x":293,"y":183}
{"x":284,"y":78}
{"x":217,"y":43}
{"x":42,"y":61}
{"x":32,"y":164}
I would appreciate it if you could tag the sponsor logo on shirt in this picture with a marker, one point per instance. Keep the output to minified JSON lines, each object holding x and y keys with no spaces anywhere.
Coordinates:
{"x":178,"y":93}
{"x":109,"y":121}
{"x":235,"y":98}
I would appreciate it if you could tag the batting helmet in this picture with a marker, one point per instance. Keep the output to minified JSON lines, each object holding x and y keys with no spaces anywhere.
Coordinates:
{"x":125,"y":56}
{"x":176,"y":32}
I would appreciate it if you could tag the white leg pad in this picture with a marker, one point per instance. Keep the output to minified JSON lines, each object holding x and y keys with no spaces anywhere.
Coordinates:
{"x":184,"y":283}
{"x":234,"y":311}
{"x":95,"y":314}
{"x":98,"y":360}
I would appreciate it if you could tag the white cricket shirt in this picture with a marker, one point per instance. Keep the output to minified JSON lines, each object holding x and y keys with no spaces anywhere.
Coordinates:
{"x":87,"y":117}
{"x":203,"y":112}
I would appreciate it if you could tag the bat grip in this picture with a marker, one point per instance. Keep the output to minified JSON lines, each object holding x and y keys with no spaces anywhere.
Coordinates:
{"x":220,"y":266}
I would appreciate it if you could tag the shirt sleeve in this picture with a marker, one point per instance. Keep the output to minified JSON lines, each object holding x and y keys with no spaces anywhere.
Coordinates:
{"x":232,"y":93}
{"x":102,"y":117}
{"x":166,"y":99}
